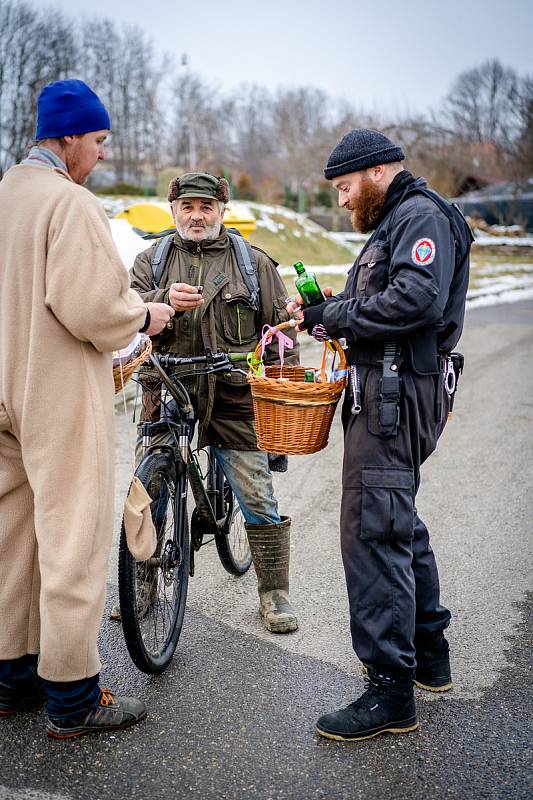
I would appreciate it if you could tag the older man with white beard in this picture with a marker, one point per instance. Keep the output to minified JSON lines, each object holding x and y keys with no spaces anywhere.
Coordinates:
{"x":202,"y":281}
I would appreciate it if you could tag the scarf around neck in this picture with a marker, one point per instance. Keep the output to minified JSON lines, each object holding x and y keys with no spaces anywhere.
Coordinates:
{"x":43,"y":157}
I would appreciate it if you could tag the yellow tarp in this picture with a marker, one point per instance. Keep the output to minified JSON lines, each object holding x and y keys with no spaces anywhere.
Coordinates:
{"x":147,"y":217}
{"x":155,"y":217}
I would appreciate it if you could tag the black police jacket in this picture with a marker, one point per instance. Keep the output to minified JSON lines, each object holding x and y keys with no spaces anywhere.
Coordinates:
{"x":406,"y":282}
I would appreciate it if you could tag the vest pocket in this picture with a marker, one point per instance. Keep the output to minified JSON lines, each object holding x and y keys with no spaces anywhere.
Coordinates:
{"x":238,"y":320}
{"x":388,"y":503}
{"x":373,"y":271}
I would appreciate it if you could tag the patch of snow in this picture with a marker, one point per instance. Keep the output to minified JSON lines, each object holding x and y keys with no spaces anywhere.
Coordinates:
{"x":268,"y":223}
{"x":504,"y":283}
{"x":509,"y":296}
{"x":507,"y":229}
{"x":349,"y":236}
{"x":484,"y":239}
{"x":496,"y":269}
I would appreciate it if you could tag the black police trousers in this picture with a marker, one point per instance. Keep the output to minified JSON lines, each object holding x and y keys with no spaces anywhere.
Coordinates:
{"x":391,"y":574}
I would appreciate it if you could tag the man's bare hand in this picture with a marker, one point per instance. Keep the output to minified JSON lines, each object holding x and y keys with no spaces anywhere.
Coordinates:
{"x":160,"y":314}
{"x":183,"y":297}
{"x":295,"y":305}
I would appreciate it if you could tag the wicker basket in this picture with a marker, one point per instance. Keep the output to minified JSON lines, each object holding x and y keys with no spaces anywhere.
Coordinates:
{"x":293,"y":416}
{"x":123,"y":372}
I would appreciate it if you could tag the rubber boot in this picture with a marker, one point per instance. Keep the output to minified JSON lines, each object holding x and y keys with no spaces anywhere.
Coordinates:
{"x":270,"y":546}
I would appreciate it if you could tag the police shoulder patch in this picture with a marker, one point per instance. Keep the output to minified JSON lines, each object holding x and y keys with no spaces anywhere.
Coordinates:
{"x":423,"y":252}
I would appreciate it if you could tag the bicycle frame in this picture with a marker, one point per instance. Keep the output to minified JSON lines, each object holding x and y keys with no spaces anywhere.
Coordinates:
{"x":209,"y":500}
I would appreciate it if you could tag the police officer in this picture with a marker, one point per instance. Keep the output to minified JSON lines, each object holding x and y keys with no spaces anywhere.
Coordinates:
{"x":401,"y":313}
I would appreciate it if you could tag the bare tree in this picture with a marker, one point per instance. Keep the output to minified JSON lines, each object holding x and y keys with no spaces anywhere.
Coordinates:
{"x":479,"y":105}
{"x":198,"y":133}
{"x":35,"y":48}
{"x":248,"y":115}
{"x":120,"y":65}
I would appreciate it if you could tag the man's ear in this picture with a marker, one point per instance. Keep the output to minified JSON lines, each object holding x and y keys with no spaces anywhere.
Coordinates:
{"x":223,"y":212}
{"x":68,"y":139}
{"x":378,"y":172}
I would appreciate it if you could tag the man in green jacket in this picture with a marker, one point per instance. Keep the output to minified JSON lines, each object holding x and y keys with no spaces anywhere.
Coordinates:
{"x":223,"y":316}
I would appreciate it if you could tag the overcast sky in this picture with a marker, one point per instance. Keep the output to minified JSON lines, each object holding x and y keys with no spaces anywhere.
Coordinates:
{"x":382,"y":55}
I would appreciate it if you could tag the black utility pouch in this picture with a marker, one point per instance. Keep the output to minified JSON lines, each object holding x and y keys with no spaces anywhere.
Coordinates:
{"x":389,"y":393}
{"x":458,"y":362}
{"x":389,"y":410}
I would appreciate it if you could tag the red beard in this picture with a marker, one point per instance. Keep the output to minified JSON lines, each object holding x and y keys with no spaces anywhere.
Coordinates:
{"x":366,"y":210}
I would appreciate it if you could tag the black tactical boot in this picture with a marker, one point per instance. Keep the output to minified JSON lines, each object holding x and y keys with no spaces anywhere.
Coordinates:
{"x":110,"y":713}
{"x":270,"y":546}
{"x":433,"y":671}
{"x":387,"y":706}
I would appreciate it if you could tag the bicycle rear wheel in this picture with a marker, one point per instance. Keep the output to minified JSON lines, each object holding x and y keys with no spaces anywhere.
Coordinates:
{"x":232,"y":542}
{"x":153,"y":592}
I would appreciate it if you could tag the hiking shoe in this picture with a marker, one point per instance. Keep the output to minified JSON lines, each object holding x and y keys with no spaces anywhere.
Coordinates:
{"x":380,"y":709}
{"x":15,"y":698}
{"x":110,"y":713}
{"x":433,"y":672}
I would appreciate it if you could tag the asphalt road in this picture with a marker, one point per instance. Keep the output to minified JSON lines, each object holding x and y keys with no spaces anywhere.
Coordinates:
{"x":233,"y":716}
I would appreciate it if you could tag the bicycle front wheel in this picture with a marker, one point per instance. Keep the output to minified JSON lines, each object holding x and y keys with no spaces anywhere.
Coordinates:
{"x":153,"y":592}
{"x":232,"y":542}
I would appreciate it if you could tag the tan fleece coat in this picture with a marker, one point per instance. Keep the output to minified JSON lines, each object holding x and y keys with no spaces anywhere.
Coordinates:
{"x":65,"y":304}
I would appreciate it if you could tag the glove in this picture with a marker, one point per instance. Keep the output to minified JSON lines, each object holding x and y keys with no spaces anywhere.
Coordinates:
{"x":313,"y":315}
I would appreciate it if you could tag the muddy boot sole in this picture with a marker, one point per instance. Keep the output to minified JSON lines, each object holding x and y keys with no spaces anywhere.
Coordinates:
{"x":277,"y":613}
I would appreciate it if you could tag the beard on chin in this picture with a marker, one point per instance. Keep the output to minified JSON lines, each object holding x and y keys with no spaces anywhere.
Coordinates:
{"x":208,"y":232}
{"x":367,"y":208}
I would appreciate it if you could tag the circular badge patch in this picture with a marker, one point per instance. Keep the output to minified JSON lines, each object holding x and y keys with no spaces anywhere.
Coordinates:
{"x":423,"y":251}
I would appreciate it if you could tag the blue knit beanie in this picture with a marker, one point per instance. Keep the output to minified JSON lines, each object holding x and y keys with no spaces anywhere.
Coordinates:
{"x":359,"y":149}
{"x":68,"y":107}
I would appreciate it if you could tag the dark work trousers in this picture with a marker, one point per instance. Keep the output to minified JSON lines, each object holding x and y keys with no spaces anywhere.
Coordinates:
{"x":391,"y":574}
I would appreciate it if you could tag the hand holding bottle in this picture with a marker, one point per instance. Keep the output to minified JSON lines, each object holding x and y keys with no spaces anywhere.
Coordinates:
{"x":307,"y":286}
{"x":295,"y":305}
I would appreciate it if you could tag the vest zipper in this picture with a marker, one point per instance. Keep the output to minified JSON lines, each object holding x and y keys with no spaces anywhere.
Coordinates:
{"x":195,"y":321}
{"x":239,"y":323}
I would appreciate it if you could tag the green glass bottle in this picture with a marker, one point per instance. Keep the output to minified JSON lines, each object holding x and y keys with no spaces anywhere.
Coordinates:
{"x":307,"y":286}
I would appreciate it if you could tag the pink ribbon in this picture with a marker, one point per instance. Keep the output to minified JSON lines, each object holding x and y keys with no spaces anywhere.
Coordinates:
{"x":283,"y":342}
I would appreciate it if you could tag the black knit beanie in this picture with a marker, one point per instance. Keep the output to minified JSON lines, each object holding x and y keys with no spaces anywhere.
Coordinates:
{"x":359,"y":149}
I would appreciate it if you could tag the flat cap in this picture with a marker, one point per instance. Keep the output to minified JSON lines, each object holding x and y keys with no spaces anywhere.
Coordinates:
{"x":199,"y":184}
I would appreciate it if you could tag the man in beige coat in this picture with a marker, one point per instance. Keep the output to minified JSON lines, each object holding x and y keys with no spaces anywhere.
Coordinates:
{"x":65,"y":305}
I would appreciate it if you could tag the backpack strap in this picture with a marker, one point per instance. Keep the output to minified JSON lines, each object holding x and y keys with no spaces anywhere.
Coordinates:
{"x":159,"y":257}
{"x":247,"y":264}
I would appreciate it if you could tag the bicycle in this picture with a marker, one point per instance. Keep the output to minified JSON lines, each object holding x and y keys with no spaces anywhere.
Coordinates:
{"x":153,"y":593}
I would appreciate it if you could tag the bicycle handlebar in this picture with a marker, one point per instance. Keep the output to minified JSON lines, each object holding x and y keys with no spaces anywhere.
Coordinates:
{"x":213,"y":362}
